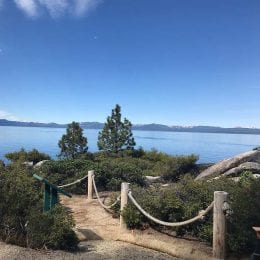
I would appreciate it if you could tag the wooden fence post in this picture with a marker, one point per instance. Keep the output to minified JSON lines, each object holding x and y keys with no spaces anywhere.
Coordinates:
{"x":124,"y":199}
{"x":219,"y":225}
{"x":90,"y":184}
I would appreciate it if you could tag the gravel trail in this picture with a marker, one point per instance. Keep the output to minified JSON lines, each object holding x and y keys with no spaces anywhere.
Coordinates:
{"x":91,"y":250}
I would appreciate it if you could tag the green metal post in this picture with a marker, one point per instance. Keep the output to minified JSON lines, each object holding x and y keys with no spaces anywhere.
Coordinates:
{"x":50,"y":193}
{"x":47,"y":197}
{"x":54,"y":197}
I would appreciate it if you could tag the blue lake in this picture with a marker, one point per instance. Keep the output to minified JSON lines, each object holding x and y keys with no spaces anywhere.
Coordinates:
{"x":209,"y":147}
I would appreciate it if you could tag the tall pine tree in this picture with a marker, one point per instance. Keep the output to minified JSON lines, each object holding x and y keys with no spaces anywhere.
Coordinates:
{"x":73,"y":142}
{"x":116,"y":135}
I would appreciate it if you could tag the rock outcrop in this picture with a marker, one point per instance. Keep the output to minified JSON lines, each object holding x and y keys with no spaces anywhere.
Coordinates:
{"x":40,"y":163}
{"x":247,"y":166}
{"x":152,"y":179}
{"x":232,"y":166}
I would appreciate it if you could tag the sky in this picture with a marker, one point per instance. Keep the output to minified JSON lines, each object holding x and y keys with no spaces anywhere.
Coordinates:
{"x":174,"y":62}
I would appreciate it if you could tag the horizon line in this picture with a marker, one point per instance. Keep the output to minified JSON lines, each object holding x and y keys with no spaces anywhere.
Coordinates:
{"x":135,"y":124}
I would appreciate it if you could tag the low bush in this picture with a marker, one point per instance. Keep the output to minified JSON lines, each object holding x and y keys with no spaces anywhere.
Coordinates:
{"x":62,"y":172}
{"x":22,"y":221}
{"x":156,"y":156}
{"x":52,"y":229}
{"x":128,"y":153}
{"x":182,"y":201}
{"x":171,"y":168}
{"x":113,"y":169}
{"x":177,"y":166}
{"x":2,"y":165}
{"x":115,"y":196}
{"x":31,"y":156}
{"x":110,"y":173}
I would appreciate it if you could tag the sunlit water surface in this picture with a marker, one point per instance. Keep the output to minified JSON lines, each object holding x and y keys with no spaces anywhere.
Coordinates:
{"x":209,"y":147}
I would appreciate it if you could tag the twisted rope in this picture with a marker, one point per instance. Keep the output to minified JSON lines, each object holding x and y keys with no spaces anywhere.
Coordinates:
{"x":201,"y":214}
{"x":72,"y":183}
{"x":100,"y":201}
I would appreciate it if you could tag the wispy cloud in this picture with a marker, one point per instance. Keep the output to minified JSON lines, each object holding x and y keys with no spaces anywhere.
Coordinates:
{"x":56,"y":8}
{"x":8,"y":116}
{"x":84,"y":6}
{"x":30,"y":7}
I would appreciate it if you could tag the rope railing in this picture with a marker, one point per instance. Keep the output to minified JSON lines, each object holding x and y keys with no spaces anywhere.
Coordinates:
{"x":100,"y":201}
{"x":219,"y":205}
{"x":73,"y":183}
{"x":200,"y":216}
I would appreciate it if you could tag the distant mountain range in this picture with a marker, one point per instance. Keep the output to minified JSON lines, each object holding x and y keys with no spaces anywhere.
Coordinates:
{"x":144,"y":127}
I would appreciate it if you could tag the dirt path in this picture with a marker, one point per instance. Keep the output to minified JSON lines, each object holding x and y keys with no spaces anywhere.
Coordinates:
{"x":91,"y":250}
{"x":94,"y":223}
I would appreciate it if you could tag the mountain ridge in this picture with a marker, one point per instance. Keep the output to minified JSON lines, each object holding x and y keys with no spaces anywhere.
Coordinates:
{"x":143,"y":127}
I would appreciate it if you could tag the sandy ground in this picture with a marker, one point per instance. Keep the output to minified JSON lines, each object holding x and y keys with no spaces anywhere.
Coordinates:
{"x":91,"y":250}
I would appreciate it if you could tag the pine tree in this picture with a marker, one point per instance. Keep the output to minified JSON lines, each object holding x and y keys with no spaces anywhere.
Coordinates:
{"x":73,"y":142}
{"x":116,"y":135}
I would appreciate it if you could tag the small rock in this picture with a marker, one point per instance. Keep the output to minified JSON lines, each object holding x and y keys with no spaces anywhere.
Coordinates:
{"x":40,"y":163}
{"x":29,"y":164}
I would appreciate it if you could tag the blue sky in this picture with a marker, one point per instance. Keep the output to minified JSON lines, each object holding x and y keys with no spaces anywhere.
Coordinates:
{"x":175,"y":62}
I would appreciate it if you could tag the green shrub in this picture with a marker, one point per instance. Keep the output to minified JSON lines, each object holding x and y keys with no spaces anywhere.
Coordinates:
{"x":183,"y":200}
{"x":156,"y":156}
{"x":31,"y":156}
{"x":129,"y":153}
{"x":22,"y":221}
{"x":177,"y":166}
{"x":246,"y":214}
{"x":115,"y":208}
{"x":133,"y":218}
{"x":2,"y":165}
{"x":156,"y":202}
{"x":52,"y":229}
{"x":113,"y":169}
{"x":85,"y":156}
{"x":19,"y":194}
{"x":110,"y":173}
{"x":171,"y":168}
{"x":66,"y":171}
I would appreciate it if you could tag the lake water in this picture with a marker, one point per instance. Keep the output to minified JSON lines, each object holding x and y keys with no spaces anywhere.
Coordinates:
{"x":209,"y":147}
